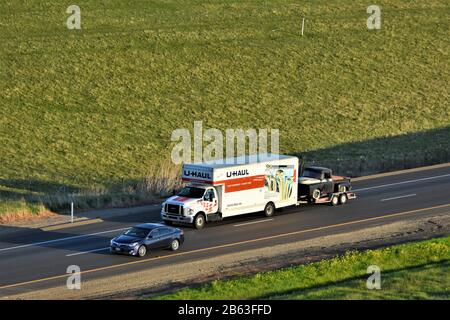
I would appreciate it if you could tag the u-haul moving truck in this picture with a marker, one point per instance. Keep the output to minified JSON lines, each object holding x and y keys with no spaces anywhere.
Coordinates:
{"x":238,"y":186}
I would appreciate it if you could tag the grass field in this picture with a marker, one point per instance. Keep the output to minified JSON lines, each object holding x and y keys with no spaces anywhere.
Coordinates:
{"x":91,"y":111}
{"x":417,"y":270}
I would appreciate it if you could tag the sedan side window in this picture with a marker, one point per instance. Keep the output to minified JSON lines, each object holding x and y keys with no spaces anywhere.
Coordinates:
{"x":155,"y":233}
{"x":164,"y":231}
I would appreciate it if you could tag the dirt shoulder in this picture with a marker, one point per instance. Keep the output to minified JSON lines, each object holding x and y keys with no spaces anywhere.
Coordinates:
{"x":165,"y":278}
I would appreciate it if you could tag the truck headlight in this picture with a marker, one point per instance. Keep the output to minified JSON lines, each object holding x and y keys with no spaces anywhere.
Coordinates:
{"x":189,"y":211}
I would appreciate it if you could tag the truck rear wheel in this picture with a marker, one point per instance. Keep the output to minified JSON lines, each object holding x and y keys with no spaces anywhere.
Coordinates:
{"x":199,"y":221}
{"x":269,"y":209}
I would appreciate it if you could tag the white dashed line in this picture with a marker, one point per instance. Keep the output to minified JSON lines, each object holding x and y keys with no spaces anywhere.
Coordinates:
{"x":400,"y":197}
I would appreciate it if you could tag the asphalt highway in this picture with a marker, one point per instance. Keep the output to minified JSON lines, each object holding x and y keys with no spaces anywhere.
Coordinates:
{"x":35,"y":259}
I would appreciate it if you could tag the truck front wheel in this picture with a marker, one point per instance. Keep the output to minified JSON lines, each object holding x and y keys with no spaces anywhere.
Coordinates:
{"x":316,"y":194}
{"x":269,"y":209}
{"x":199,"y":221}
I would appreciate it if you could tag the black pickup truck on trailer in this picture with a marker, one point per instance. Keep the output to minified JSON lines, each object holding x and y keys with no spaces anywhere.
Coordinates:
{"x":319,"y":185}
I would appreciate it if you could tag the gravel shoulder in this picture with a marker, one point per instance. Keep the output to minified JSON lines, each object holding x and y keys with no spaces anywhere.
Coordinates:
{"x":166,"y":278}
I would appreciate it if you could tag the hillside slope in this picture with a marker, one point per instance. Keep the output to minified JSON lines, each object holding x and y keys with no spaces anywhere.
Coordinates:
{"x":91,"y":108}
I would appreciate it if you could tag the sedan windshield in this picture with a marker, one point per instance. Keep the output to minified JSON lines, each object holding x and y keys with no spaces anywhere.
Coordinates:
{"x":312,"y":174}
{"x":137,"y":232}
{"x":191,"y":192}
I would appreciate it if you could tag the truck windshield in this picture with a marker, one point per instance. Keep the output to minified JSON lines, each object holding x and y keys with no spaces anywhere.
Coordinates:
{"x":308,"y":173}
{"x":191,"y":192}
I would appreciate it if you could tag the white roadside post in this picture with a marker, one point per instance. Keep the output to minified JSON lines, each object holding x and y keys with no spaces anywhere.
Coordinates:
{"x":303,"y":25}
{"x":71,"y":212}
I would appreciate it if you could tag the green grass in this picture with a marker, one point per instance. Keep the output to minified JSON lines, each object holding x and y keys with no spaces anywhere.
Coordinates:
{"x":418,"y":270}
{"x":93,"y":109}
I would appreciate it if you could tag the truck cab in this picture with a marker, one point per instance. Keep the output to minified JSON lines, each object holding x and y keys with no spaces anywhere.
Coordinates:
{"x":194,"y":204}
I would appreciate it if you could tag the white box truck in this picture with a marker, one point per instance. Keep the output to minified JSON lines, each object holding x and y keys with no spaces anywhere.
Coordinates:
{"x":237,"y":186}
{"x":251,"y":184}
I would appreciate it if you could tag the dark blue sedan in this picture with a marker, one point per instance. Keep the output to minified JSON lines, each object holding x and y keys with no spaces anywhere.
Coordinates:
{"x":137,"y":240}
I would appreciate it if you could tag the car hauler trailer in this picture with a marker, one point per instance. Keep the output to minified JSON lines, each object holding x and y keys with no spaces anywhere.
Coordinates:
{"x":238,"y":186}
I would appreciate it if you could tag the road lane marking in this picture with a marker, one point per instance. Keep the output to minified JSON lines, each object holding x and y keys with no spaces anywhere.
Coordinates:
{"x":226,"y":245}
{"x":401,"y":172}
{"x":62,"y":239}
{"x":84,"y":252}
{"x":400,"y":197}
{"x":252,"y":222}
{"x":71,"y":225}
{"x":403,"y":182}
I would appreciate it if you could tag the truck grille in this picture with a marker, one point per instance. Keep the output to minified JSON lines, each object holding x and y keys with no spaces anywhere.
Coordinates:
{"x":174,"y":209}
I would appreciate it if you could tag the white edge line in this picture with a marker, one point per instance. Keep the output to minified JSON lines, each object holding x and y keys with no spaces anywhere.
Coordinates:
{"x":400,"y":197}
{"x":253,"y":222}
{"x":89,"y":251}
{"x":62,"y":239}
{"x":403,"y":182}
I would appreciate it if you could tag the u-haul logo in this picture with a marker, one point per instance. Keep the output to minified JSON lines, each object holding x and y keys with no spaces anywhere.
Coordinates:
{"x":237,"y":173}
{"x":197,"y":174}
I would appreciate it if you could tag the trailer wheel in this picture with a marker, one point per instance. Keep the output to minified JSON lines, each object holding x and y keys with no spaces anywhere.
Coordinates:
{"x":199,"y":221}
{"x":343,"y":198}
{"x":269,"y":209}
{"x":334,"y":201}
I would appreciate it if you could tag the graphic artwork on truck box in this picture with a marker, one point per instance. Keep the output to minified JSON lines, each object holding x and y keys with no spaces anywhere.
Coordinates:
{"x":279,"y":182}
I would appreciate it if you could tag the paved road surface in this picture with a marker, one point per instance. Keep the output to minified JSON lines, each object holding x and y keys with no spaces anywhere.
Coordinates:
{"x":34,"y":259}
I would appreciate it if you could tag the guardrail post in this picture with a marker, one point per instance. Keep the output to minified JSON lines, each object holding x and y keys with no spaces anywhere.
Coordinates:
{"x":71,"y":212}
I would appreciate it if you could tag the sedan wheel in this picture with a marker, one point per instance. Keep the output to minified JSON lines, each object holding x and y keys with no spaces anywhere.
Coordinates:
{"x":175,"y":245}
{"x":142,"y":251}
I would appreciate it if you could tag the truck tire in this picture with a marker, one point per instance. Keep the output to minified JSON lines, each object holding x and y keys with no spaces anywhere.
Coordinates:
{"x":316,"y":194}
{"x":343,"y":198}
{"x":334,"y":201}
{"x":342,"y":188}
{"x":269,"y":210}
{"x":199,"y":221}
